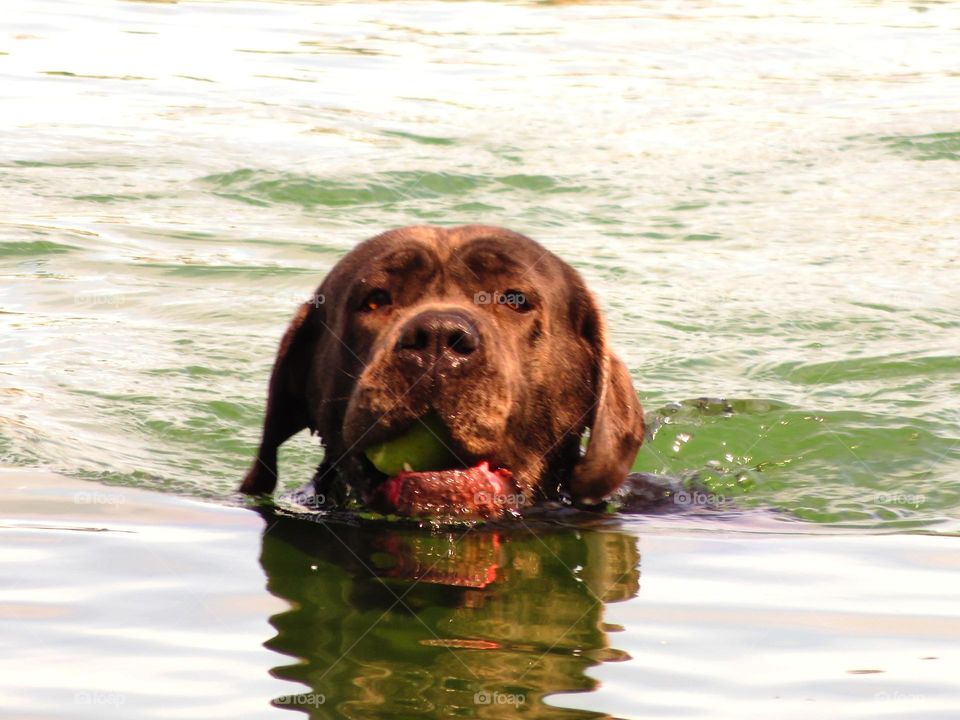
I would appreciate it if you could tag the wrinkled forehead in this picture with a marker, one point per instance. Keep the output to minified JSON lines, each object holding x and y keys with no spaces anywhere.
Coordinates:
{"x":468,"y":253}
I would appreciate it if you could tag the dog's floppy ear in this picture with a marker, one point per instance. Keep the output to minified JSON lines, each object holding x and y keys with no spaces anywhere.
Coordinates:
{"x":616,"y":419}
{"x":287,"y":412}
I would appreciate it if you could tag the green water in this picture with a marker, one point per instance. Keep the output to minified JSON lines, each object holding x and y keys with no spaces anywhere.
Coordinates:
{"x":766,"y":218}
{"x":763,"y":197}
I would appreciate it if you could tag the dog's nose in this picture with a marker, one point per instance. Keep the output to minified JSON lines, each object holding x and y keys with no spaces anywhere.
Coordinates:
{"x":436,"y":334}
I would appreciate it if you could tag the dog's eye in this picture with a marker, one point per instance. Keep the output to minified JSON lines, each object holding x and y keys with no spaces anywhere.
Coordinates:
{"x":375,"y":300}
{"x":516,"y":300}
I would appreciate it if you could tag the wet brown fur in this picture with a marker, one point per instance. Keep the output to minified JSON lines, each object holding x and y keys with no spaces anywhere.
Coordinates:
{"x":537,"y":380}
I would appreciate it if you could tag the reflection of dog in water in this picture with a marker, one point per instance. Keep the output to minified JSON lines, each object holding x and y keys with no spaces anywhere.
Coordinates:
{"x":387,"y":621}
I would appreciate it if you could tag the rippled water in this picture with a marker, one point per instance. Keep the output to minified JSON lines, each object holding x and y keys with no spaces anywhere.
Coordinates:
{"x":762,"y":201}
{"x":763,"y":196}
{"x":118,"y":603}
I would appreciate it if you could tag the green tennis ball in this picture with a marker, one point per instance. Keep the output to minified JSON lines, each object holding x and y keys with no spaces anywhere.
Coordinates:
{"x":425,"y":446}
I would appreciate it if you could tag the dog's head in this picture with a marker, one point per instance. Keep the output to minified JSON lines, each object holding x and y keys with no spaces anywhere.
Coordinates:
{"x":480,"y":329}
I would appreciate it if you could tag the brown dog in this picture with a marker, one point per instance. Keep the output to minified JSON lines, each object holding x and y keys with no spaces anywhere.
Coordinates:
{"x":483,"y":329}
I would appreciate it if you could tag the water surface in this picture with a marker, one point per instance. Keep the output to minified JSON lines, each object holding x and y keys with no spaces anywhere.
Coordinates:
{"x":764,"y":199}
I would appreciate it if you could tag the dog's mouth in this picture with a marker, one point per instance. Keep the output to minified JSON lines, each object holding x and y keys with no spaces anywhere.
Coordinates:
{"x":478,"y":492}
{"x":424,"y":473}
